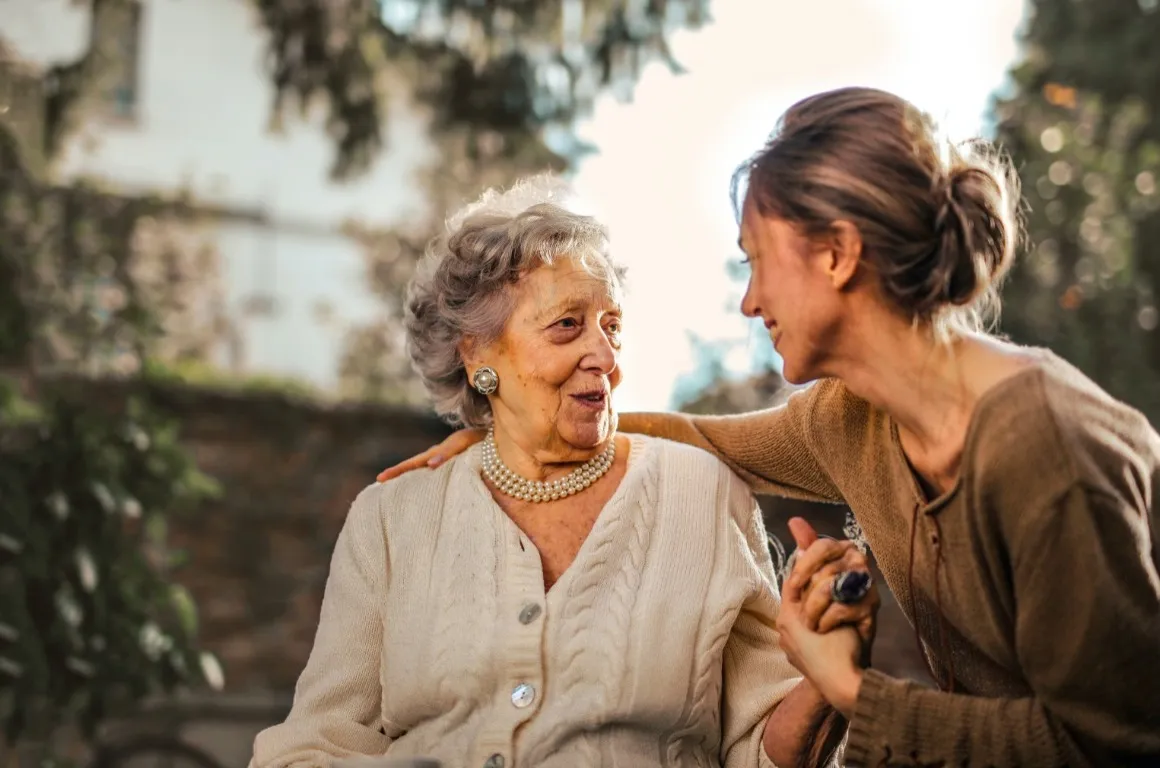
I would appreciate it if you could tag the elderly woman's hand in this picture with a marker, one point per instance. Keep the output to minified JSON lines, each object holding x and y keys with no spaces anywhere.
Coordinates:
{"x":831,"y":661}
{"x":454,"y":445}
{"x":816,"y":563}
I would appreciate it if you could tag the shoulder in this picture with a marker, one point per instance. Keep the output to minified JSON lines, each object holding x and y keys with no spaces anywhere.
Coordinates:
{"x":416,"y":482}
{"x":846,"y":432}
{"x":416,"y":493}
{"x":1050,"y":429}
{"x":693,"y":475}
{"x":671,"y":458}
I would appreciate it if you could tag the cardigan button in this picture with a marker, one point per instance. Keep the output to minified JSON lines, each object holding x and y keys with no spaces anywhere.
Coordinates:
{"x":495,"y":761}
{"x":530,"y":613}
{"x":523,"y":695}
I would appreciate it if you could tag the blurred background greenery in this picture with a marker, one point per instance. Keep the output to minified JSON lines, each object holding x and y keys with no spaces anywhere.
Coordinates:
{"x":143,"y":468}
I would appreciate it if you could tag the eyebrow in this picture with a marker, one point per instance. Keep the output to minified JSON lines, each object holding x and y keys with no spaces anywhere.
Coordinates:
{"x":558,"y":308}
{"x":570,"y":305}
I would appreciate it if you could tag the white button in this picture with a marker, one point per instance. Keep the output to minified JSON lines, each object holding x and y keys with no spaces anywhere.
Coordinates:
{"x":523,"y":695}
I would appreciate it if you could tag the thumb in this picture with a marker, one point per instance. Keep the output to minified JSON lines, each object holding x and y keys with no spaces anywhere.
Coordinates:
{"x":803,"y":533}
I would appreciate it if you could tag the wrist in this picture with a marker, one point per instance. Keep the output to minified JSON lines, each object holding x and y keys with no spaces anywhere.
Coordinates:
{"x":842,"y":693}
{"x":812,"y":697}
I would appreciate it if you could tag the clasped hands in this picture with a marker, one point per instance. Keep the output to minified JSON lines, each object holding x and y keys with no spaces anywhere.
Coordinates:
{"x":827,"y":641}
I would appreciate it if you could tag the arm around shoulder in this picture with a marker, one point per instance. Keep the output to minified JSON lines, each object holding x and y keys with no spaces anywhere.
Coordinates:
{"x":338,"y":696}
{"x":769,"y":449}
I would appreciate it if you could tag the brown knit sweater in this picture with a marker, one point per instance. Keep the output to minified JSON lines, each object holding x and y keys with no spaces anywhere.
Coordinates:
{"x":1034,"y":584}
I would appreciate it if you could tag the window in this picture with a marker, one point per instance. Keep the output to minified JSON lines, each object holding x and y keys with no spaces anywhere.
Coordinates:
{"x":117,"y":37}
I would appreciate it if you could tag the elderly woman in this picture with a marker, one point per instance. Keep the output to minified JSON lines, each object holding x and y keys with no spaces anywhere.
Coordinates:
{"x":559,"y":595}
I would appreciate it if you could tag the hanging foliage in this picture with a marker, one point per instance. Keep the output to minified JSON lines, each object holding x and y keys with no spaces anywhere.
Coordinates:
{"x":507,"y":66}
{"x":91,"y":621}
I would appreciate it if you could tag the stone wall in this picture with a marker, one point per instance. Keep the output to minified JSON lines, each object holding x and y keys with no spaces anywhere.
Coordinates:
{"x":259,"y":555}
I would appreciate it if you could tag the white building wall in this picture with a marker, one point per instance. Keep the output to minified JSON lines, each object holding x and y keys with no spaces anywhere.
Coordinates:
{"x":202,"y":126}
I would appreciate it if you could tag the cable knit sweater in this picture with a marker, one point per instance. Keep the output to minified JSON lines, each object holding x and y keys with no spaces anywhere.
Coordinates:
{"x":1035,"y":583}
{"x":656,"y":647}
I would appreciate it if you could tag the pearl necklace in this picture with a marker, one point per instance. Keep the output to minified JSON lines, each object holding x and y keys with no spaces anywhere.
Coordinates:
{"x":520,"y":488}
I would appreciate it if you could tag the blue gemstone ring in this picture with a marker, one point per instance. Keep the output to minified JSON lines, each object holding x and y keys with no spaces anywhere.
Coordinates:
{"x":850,"y":587}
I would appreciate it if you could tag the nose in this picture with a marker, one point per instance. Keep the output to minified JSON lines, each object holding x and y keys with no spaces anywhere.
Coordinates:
{"x":601,"y":355}
{"x":749,"y":306}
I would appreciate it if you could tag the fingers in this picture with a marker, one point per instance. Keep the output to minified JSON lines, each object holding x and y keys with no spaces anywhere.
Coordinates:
{"x":455,"y":444}
{"x":415,"y":462}
{"x":809,"y":561}
{"x":460,"y":442}
{"x":803,"y":533}
{"x":818,"y":600}
{"x":859,"y":615}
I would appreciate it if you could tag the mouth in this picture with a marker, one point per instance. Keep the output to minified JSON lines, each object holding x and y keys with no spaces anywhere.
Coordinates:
{"x":774,"y":332}
{"x":595,"y":399}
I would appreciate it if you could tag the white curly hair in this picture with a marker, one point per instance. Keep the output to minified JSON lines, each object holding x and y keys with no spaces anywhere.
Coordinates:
{"x":463,"y":287}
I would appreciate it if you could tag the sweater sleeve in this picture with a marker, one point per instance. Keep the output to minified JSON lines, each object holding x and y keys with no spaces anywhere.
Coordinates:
{"x":757,"y":675}
{"x":769,"y":449}
{"x":336,"y":711}
{"x":1087,"y":628}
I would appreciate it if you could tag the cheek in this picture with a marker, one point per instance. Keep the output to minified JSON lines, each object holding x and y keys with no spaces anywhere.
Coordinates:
{"x":775,"y":285}
{"x":614,"y":379}
{"x":545,"y":366}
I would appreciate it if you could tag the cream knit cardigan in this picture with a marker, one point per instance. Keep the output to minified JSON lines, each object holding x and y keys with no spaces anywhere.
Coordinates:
{"x":656,"y":647}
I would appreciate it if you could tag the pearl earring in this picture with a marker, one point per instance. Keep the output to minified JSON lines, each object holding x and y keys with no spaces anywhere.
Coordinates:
{"x":485,"y":380}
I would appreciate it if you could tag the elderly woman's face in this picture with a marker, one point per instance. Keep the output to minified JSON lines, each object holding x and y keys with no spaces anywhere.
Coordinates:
{"x":557,"y":358}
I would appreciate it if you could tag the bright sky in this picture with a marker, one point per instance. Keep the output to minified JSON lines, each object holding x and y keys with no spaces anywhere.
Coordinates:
{"x":661,"y":179}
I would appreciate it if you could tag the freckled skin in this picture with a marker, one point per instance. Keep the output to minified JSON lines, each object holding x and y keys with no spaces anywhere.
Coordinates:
{"x":562,"y":340}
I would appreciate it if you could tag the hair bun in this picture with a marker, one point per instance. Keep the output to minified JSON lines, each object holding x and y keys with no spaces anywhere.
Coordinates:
{"x":974,"y":237}
{"x":938,"y":221}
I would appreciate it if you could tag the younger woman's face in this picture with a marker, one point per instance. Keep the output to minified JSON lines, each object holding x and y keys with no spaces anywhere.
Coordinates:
{"x":791,"y":288}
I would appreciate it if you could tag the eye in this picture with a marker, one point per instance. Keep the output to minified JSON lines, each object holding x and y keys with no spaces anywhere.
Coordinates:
{"x":568,"y":323}
{"x":614,"y":326}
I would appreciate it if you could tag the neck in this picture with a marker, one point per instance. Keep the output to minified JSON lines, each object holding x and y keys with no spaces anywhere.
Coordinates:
{"x":920,"y":381}
{"x":546,"y":459}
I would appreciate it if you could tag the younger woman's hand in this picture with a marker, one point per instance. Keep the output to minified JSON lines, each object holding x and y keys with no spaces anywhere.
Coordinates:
{"x":817,"y":562}
{"x":454,"y":445}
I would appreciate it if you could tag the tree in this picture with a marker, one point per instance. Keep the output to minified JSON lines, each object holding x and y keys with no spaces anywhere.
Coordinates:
{"x":1083,"y":126}
{"x":498,"y":75}
{"x":504,"y":67}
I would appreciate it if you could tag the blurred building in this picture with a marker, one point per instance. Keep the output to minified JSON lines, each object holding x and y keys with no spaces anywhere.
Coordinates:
{"x":186,"y":111}
{"x":259,"y":554}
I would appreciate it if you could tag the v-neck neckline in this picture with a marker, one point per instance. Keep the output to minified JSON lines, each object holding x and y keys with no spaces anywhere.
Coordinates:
{"x":929,"y":505}
{"x":637,"y":446}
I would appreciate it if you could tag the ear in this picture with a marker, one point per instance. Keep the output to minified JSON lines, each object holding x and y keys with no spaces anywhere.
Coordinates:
{"x":469,"y":353}
{"x":845,"y":253}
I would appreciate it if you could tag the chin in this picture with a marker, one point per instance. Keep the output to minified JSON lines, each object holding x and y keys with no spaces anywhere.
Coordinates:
{"x":794,"y":373}
{"x":589,"y":433}
{"x":793,"y":377}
